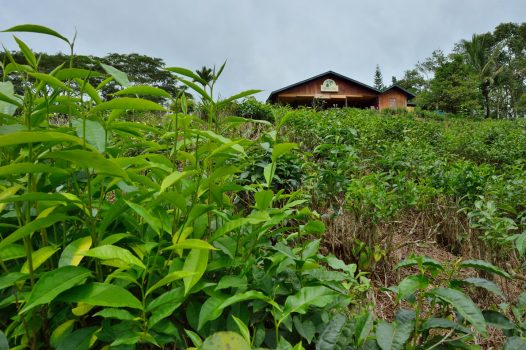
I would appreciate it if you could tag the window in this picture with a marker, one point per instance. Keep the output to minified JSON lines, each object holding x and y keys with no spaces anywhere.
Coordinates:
{"x":392,"y":102}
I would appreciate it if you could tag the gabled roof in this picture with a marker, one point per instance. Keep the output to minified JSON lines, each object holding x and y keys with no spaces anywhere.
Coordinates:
{"x":409,"y":95}
{"x":343,"y":77}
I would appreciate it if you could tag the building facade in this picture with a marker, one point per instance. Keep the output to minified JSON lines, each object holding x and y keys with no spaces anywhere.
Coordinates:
{"x":331,"y":89}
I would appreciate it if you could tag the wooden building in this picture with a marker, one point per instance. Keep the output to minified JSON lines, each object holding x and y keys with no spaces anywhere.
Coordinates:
{"x":331,"y":89}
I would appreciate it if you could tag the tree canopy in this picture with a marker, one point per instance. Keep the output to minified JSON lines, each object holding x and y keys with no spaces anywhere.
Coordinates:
{"x":484,"y":75}
{"x":141,"y":70}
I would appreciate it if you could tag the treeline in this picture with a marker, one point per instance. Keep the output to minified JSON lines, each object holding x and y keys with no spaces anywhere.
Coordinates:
{"x":140,"y":69}
{"x":483,"y":76}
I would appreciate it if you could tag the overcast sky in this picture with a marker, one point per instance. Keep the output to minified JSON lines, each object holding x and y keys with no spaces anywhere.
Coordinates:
{"x":268,"y":43}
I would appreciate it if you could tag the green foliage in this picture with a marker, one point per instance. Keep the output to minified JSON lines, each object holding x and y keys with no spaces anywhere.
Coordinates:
{"x":253,"y":109}
{"x":117,"y":233}
{"x":483,"y":76}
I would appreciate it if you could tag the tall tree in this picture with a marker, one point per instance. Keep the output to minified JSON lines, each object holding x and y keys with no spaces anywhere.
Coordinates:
{"x":482,"y":57}
{"x":378,"y":79}
{"x":453,"y":88}
{"x":413,"y":81}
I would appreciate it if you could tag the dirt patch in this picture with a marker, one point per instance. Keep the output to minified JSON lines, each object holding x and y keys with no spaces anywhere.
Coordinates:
{"x":443,"y":235}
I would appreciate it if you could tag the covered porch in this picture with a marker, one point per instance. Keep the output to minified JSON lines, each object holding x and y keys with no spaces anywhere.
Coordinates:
{"x":329,"y":101}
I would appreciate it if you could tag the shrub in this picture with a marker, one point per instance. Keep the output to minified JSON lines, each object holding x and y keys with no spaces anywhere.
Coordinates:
{"x":253,"y":109}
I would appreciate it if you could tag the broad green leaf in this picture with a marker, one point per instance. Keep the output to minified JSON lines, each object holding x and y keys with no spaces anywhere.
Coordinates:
{"x":443,"y":323}
{"x":164,"y":305}
{"x":248,"y":295}
{"x":100,"y":294}
{"x":515,"y":343}
{"x":426,"y":261}
{"x":192,"y":244}
{"x":128,"y":103}
{"x":115,"y":238}
{"x":393,"y":336}
{"x":12,"y":251}
{"x":314,"y":227}
{"x":112,"y":252}
{"x":486,"y":284}
{"x":485,"y":266}
{"x":8,"y":193}
{"x":311,"y":249}
{"x":119,"y":314}
{"x":329,"y":335}
{"x":50,"y":80}
{"x":410,"y":285}
{"x":211,"y":309}
{"x":228,"y":281}
{"x":225,"y":341}
{"x":197,"y":89}
{"x":39,"y":257}
{"x":10,"y":279}
{"x":237,"y":97}
{"x":338,"y":264}
{"x":81,"y":309}
{"x":143,"y":90}
{"x":74,"y":252}
{"x":230,"y":226}
{"x":34,"y":28}
{"x":233,"y":120}
{"x":169,"y":278}
{"x":194,"y":337}
{"x":92,"y":160}
{"x":319,"y":296}
{"x":174,"y":178}
{"x":8,"y":101}
{"x":29,"y":168}
{"x":77,"y":340}
{"x":464,"y":305}
{"x":22,"y":137}
{"x":520,"y":240}
{"x":281,"y":149}
{"x":90,"y":90}
{"x":42,"y":196}
{"x":497,"y":320}
{"x":54,"y":282}
{"x":264,"y":199}
{"x":195,"y":262}
{"x":119,"y":76}
{"x":26,"y":51}
{"x":33,"y":226}
{"x":268,"y":173}
{"x":93,"y":131}
{"x":243,"y":329}
{"x":229,"y":146}
{"x":364,"y":325}
{"x":151,"y":220}
{"x":60,"y":332}
{"x":11,"y":68}
{"x":187,"y":73}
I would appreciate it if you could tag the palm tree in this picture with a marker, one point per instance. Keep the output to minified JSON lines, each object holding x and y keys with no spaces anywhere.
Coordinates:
{"x":207,"y":76}
{"x":482,"y":57}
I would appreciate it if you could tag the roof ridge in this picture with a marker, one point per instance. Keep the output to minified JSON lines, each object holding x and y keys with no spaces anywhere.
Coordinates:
{"x":319,"y":76}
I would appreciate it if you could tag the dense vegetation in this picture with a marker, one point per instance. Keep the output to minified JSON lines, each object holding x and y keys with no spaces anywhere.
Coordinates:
{"x":126,"y":225}
{"x":482,"y":76}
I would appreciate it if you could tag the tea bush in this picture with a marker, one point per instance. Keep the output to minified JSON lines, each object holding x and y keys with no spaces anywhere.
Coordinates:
{"x":127,"y":225}
{"x":117,"y":233}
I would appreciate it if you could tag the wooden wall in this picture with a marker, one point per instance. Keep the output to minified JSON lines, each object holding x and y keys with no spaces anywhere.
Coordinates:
{"x":392,"y":99}
{"x":314,"y":88}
